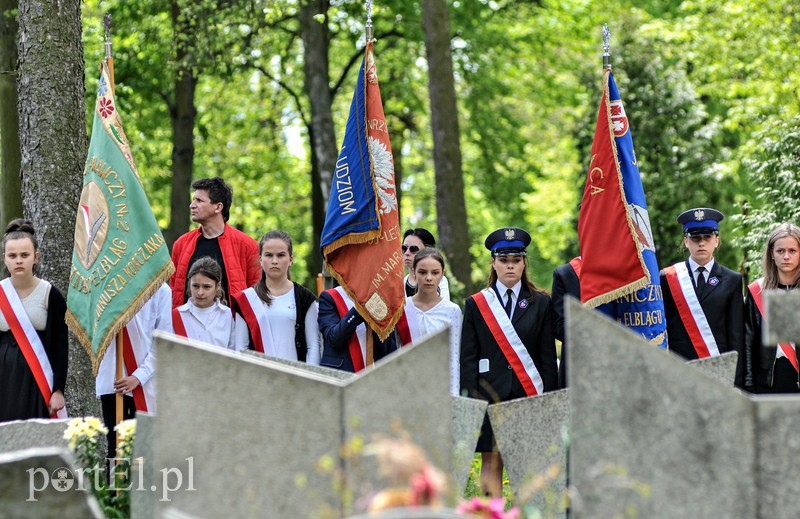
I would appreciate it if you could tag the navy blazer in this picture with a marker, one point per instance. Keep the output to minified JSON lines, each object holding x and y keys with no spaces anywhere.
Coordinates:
{"x":336,"y":332}
{"x":534,"y":326}
{"x":565,"y":282}
{"x":722,"y":303}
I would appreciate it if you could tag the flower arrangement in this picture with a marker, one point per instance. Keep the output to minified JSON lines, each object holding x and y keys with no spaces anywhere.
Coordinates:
{"x":111,"y":492}
{"x":415,"y":481}
{"x":479,"y":508}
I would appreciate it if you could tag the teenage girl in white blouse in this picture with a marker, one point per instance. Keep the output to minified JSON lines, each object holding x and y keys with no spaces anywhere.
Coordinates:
{"x":277,"y":314}
{"x":430,"y":312}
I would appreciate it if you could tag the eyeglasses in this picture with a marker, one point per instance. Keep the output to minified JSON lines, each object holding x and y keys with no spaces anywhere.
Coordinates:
{"x":697,"y":238}
{"x":413,"y":248}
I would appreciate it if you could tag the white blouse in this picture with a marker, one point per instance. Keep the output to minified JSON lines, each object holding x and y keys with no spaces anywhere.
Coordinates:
{"x":444,"y":313}
{"x":212,"y":325}
{"x":282,"y":315}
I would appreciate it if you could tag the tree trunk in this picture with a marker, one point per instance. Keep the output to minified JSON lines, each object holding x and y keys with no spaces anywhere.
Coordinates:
{"x":323,"y":139}
{"x":10,"y":188}
{"x":52,"y":133}
{"x":318,"y":206}
{"x":451,"y":213}
{"x":397,"y":156}
{"x":182,"y":114}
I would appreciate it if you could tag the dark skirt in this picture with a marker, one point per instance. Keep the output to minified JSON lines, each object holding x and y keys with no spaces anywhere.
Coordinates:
{"x":486,"y":441}
{"x":20,"y":398}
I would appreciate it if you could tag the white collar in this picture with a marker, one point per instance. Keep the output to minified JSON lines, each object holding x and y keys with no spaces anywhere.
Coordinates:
{"x":501,"y":289}
{"x":693,"y":265}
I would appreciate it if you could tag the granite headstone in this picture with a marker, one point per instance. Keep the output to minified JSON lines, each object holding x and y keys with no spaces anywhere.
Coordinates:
{"x":651,"y":435}
{"x":783,"y":316}
{"x":43,"y":482}
{"x":26,"y":434}
{"x":468,"y":416}
{"x":531,"y":435}
{"x":288,"y":439}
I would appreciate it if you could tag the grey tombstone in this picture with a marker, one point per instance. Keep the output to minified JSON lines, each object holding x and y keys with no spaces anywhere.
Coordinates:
{"x":783,"y":316}
{"x":722,"y":368}
{"x":26,"y":434}
{"x":651,"y":435}
{"x":142,"y":467}
{"x":778,"y":423}
{"x":251,"y":437}
{"x":42,"y":482}
{"x":468,"y":416}
{"x":778,"y":418}
{"x":322,"y":370}
{"x":531,"y":437}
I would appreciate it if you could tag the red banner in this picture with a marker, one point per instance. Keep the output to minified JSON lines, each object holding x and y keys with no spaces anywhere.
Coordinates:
{"x":361,"y":238}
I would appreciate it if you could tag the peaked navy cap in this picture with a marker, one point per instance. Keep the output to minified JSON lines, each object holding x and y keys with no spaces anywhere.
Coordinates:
{"x":700,"y":220}
{"x":508,"y":241}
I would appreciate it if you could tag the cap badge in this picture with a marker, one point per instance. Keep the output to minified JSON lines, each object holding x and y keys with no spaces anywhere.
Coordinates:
{"x":699,"y":215}
{"x":510,"y":234}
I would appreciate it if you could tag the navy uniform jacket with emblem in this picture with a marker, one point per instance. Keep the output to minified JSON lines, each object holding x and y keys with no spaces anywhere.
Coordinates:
{"x":723,"y":304}
{"x":336,"y":332}
{"x":565,"y":282}
{"x":534,"y":327}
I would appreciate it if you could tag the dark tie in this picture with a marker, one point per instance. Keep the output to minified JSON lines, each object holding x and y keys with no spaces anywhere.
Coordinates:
{"x":701,"y":279}
{"x":509,"y":293}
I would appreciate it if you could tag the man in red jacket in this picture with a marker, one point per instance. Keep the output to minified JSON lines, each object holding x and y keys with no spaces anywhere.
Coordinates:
{"x":236,"y":252}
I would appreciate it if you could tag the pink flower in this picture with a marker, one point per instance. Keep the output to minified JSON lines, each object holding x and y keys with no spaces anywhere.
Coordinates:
{"x":478,"y":508}
{"x":106,"y":107}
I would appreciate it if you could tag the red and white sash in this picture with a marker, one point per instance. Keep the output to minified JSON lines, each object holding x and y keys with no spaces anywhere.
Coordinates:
{"x":29,"y":342}
{"x":507,"y":338}
{"x":692,"y":315}
{"x":358,"y":341}
{"x":143,"y":398}
{"x":178,"y":326}
{"x":757,"y":290}
{"x":255,"y":315}
{"x":408,"y":325}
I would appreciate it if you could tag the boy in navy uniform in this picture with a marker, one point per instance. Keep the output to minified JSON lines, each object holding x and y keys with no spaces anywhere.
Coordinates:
{"x":703,"y":300}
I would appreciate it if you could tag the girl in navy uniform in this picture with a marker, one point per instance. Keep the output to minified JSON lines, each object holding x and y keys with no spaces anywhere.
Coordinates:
{"x":507,"y":345}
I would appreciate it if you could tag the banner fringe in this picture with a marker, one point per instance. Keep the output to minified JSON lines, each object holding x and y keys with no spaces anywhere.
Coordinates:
{"x":73,"y":324}
{"x":617,"y":293}
{"x":362,"y":310}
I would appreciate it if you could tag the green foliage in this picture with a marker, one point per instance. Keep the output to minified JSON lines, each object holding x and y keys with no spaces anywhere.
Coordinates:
{"x":775,"y":170}
{"x":700,"y":79}
{"x":678,"y":144}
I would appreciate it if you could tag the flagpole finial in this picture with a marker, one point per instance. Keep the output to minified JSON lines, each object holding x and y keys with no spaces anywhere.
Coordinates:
{"x":107,"y":26}
{"x":368,"y":27}
{"x":606,"y":47}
